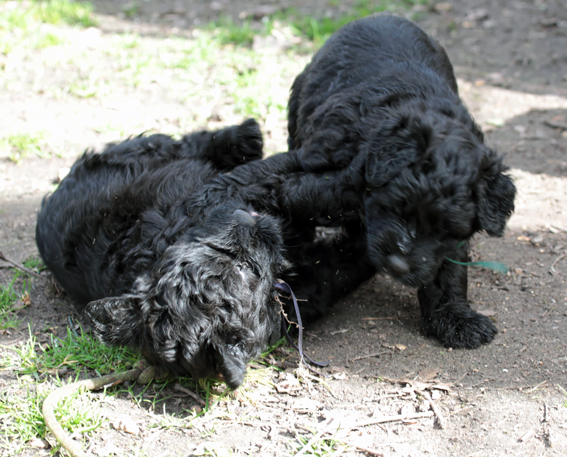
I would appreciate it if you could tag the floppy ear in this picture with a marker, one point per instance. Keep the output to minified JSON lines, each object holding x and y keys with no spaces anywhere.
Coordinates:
{"x":118,"y":320}
{"x":400,"y":143}
{"x":496,"y":192}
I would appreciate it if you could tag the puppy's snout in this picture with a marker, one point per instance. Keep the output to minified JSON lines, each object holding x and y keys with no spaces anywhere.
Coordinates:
{"x":244,"y":218}
{"x":398,"y":264}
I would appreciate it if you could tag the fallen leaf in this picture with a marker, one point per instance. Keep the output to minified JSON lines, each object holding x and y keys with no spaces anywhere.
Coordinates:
{"x":127,"y":424}
{"x":401,"y":347}
{"x":428,"y":374}
{"x":38,"y":443}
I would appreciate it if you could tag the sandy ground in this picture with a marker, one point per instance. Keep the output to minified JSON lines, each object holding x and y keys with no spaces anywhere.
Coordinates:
{"x":506,"y":398}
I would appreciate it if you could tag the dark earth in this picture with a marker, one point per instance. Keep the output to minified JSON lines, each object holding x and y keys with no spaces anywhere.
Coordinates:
{"x":506,"y":398}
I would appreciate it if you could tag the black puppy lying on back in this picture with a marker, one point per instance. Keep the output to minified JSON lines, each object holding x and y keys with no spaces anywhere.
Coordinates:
{"x":171,"y":257}
{"x":380,"y":102}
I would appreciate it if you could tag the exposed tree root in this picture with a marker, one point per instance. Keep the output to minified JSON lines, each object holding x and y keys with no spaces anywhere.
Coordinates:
{"x":72,"y":446}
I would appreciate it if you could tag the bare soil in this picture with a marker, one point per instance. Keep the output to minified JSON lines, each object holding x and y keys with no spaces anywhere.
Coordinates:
{"x":506,"y":398}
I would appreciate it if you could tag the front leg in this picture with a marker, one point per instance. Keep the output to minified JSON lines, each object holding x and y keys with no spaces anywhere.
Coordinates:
{"x":445,"y":311}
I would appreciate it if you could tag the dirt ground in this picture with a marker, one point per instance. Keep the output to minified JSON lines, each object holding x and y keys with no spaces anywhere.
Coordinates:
{"x":506,"y":398}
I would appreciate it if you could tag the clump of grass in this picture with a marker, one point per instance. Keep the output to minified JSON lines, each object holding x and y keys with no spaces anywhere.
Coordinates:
{"x":25,"y":14}
{"x":77,"y":351}
{"x":228,"y":32}
{"x":64,"y":12}
{"x":21,"y":145}
{"x":21,"y":419}
{"x":8,"y":298}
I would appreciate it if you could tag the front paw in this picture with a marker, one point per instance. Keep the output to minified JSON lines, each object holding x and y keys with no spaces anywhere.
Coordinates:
{"x":456,"y":325}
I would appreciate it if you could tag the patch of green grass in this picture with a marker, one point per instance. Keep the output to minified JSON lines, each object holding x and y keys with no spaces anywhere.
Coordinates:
{"x":319,"y":30}
{"x":74,"y":352}
{"x":228,"y":32}
{"x":20,"y":145}
{"x":64,"y":12}
{"x":8,"y":298}
{"x":131,"y":10}
{"x":21,"y":419}
{"x":81,"y":350}
{"x":25,"y":14}
{"x":48,"y":39}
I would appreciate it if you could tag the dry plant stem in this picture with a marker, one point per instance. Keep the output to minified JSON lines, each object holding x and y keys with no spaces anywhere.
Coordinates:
{"x":315,"y":437}
{"x":19,"y":266}
{"x":441,"y":421}
{"x":399,"y":417}
{"x":48,"y":409}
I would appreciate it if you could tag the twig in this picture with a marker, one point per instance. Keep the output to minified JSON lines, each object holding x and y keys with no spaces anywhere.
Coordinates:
{"x":552,"y":269}
{"x":192,"y":394}
{"x":315,"y":437}
{"x":536,"y":387}
{"x":545,"y":417}
{"x":72,"y":447}
{"x":20,"y":266}
{"x":362,"y":448}
{"x":441,"y":421}
{"x":526,"y":436}
{"x":398,"y":417}
{"x":376,"y":354}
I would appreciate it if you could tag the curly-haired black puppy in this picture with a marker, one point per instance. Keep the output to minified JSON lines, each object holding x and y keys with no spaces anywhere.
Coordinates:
{"x":169,"y":256}
{"x":380,"y":102}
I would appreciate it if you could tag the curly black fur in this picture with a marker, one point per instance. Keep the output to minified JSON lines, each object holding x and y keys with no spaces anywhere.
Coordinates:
{"x":380,"y":101}
{"x":168,"y":255}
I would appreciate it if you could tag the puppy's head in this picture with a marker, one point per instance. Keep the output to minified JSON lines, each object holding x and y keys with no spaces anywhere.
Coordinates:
{"x":431,"y":183}
{"x":208,"y":306}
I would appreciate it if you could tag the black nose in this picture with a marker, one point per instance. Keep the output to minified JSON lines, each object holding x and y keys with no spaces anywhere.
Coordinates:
{"x":398,"y":265}
{"x":244,"y":218}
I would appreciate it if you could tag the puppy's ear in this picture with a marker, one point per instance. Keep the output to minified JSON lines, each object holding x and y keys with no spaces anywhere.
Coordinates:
{"x":496,"y":192}
{"x":118,"y":320}
{"x":400,"y":143}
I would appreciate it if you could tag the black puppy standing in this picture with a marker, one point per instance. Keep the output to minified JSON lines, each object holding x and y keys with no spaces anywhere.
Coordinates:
{"x":170,"y":256}
{"x":380,"y":102}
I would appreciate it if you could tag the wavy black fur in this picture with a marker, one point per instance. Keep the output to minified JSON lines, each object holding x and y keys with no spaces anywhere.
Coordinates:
{"x":172,"y":257}
{"x":380,"y":102}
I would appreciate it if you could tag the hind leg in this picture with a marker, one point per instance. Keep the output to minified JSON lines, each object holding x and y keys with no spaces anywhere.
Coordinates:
{"x":225,"y":148}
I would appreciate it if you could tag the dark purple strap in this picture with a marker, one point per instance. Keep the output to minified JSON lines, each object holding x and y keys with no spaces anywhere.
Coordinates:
{"x":299,"y":346}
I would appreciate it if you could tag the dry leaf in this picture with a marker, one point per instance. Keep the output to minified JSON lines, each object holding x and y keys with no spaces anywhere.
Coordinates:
{"x":127,"y":424}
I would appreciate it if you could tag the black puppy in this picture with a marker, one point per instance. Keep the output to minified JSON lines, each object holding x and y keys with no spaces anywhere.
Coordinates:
{"x":380,"y":102}
{"x":169,"y":256}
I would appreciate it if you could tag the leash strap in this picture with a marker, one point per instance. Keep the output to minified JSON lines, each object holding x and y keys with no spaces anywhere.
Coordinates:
{"x":299,"y":346}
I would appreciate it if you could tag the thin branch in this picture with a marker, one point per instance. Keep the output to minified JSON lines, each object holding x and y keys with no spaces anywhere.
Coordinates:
{"x":20,"y":266}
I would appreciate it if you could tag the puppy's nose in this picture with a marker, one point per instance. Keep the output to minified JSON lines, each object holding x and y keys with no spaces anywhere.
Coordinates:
{"x":398,"y":264}
{"x":244,"y":218}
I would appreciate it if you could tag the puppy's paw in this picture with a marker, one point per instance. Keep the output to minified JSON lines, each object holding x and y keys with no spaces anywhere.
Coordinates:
{"x":249,"y":141}
{"x":458,"y":326}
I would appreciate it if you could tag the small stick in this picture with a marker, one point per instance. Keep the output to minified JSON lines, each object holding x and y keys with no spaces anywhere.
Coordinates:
{"x":552,"y":269}
{"x":192,"y":394}
{"x":398,"y":417}
{"x":315,"y":437}
{"x":362,"y":448}
{"x":376,"y":354}
{"x":72,"y":447}
{"x":441,"y":421}
{"x":536,"y":387}
{"x":19,"y":266}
